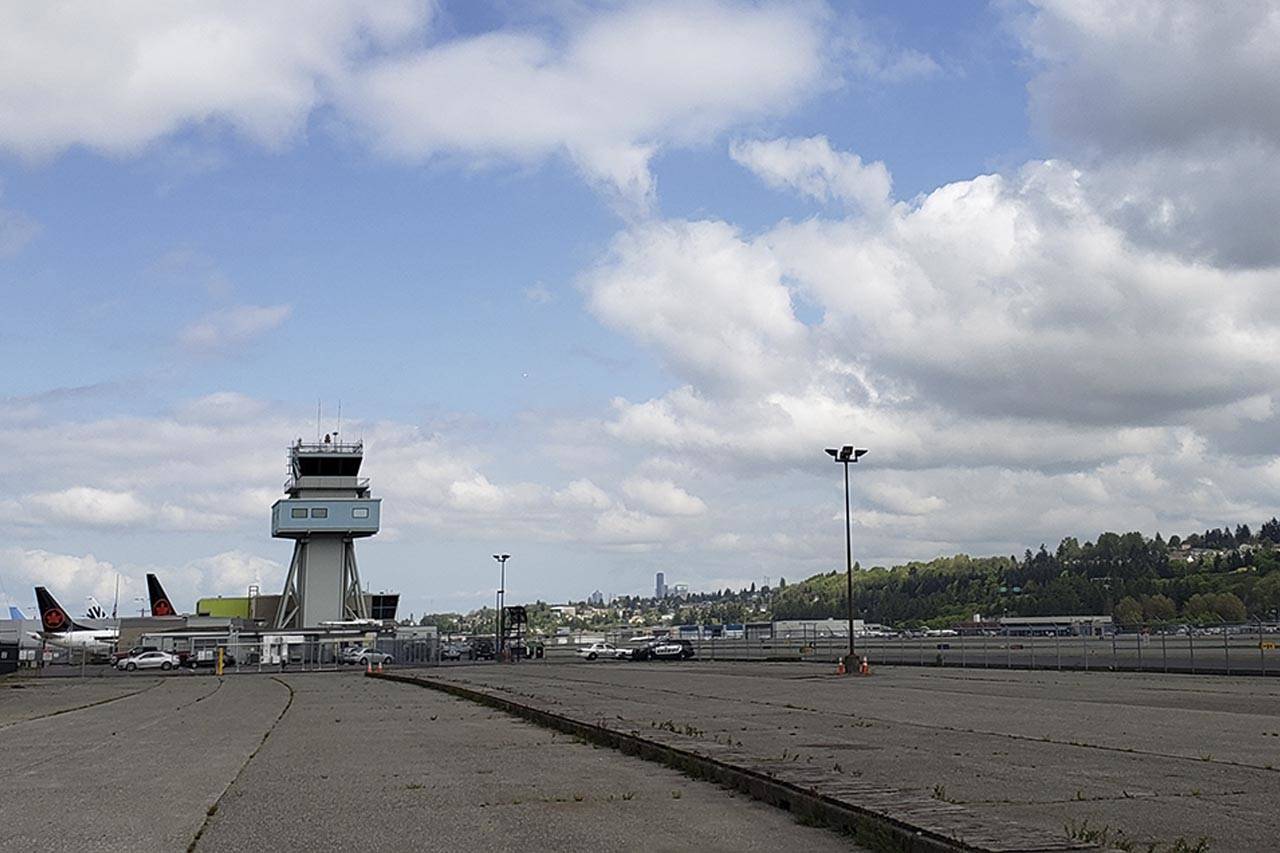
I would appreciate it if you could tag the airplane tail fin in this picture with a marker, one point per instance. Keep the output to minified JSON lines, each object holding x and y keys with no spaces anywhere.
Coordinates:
{"x":16,"y":613}
{"x":53,"y":619}
{"x":160,"y":605}
{"x":94,"y":610}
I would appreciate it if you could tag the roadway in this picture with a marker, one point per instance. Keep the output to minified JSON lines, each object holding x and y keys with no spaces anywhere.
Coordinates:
{"x":1147,"y":758}
{"x":335,"y":761}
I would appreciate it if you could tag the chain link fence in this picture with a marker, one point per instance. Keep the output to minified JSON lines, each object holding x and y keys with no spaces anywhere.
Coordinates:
{"x":1238,"y":649}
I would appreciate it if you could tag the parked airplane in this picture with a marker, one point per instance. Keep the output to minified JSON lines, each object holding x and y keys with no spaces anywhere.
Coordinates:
{"x":16,"y":613}
{"x":60,"y":630}
{"x":160,"y":604}
{"x":95,"y":610}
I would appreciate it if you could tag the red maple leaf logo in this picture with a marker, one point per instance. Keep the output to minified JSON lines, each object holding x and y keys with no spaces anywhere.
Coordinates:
{"x":162,"y":607}
{"x":54,"y":618}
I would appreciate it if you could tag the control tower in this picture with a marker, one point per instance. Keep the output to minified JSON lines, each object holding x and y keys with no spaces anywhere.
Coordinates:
{"x":328,"y":507}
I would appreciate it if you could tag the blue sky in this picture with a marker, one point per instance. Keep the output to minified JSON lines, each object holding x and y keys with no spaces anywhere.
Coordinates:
{"x":597,"y":282}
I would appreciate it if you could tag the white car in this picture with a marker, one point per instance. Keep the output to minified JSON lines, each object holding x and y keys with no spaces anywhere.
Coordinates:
{"x":370,"y":657}
{"x":149,"y":660}
{"x":598,"y":650}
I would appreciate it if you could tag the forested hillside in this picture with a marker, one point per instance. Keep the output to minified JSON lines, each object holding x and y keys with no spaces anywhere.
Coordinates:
{"x":1218,"y":576}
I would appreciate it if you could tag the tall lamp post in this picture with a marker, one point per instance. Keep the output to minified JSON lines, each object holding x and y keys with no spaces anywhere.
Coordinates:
{"x":502,"y":593}
{"x":845,"y":455}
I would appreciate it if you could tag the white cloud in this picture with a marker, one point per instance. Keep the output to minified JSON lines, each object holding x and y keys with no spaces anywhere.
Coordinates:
{"x":233,"y":327}
{"x":1172,"y":104}
{"x":65,"y":575}
{"x":1000,"y":298}
{"x":72,"y":578}
{"x":1019,"y":365}
{"x":711,"y":304}
{"x":16,"y":231}
{"x":86,"y":505}
{"x":1137,"y":74}
{"x":606,"y":87}
{"x":618,"y":84}
{"x":539,"y":294}
{"x":662,"y":497}
{"x":812,"y":168}
{"x":878,"y":62}
{"x":115,"y":77}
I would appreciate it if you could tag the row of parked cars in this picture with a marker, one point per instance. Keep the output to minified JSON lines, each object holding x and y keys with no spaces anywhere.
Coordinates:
{"x":663,"y":649}
{"x":148,"y":657}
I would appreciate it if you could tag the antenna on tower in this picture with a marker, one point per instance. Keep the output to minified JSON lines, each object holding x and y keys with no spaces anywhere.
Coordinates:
{"x":339,"y":429}
{"x":317,"y":420}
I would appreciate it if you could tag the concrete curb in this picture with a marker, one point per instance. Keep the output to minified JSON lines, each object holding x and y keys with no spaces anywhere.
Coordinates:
{"x":868,"y":828}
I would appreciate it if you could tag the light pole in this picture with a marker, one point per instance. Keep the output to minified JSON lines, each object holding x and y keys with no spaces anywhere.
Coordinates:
{"x":502,"y":592}
{"x":844,"y":456}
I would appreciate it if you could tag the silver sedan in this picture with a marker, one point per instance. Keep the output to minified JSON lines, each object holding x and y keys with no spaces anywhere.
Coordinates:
{"x":149,"y":660}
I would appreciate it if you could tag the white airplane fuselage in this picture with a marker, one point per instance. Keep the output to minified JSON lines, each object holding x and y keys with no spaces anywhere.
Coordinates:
{"x":101,"y":641}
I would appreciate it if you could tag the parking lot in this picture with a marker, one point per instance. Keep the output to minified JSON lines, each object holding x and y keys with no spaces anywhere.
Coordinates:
{"x":1144,"y":758}
{"x":329,"y":761}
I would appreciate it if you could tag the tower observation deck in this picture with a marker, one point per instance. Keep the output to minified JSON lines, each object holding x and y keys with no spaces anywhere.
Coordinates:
{"x":326,"y":509}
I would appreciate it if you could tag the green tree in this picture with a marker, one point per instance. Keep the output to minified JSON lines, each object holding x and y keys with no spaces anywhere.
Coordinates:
{"x":1127,"y":611}
{"x":1159,"y":608}
{"x":1228,"y":607}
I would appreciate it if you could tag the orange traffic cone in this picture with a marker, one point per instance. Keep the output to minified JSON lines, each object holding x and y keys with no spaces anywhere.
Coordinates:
{"x":368,"y":666}
{"x":379,"y":666}
{"x":865,"y":667}
{"x":840,"y":670}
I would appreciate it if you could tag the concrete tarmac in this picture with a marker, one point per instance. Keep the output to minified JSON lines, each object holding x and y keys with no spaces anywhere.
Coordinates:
{"x":1132,"y":759}
{"x":335,"y":761}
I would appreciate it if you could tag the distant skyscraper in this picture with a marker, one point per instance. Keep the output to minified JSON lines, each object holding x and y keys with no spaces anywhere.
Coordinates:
{"x":660,"y":586}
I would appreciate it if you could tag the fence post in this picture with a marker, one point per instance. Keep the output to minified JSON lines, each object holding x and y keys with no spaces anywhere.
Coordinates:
{"x":1164,"y":648}
{"x":1113,"y":649}
{"x":1226,"y":648}
{"x":1191,"y":644}
{"x":1262,"y":654}
{"x":963,"y":662}
{"x":1140,"y":636}
{"x":1057,"y":649}
{"x":1008,"y":651}
{"x":1084,"y":648}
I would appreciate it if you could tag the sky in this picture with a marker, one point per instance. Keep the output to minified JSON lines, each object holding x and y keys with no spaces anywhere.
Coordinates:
{"x":596,"y":283}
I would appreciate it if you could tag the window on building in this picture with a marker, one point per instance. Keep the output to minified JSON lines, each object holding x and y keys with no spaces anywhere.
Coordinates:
{"x":297,"y":512}
{"x":360,"y":512}
{"x":319,"y":512}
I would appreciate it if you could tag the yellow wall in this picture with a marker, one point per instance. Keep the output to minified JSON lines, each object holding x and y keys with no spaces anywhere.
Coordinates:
{"x":225,"y":607}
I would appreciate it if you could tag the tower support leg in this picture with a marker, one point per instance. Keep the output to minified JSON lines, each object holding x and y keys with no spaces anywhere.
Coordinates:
{"x":353,"y":603}
{"x":291,"y":598}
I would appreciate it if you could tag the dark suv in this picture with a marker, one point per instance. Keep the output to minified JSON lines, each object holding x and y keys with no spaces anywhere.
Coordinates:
{"x":664,"y":650}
